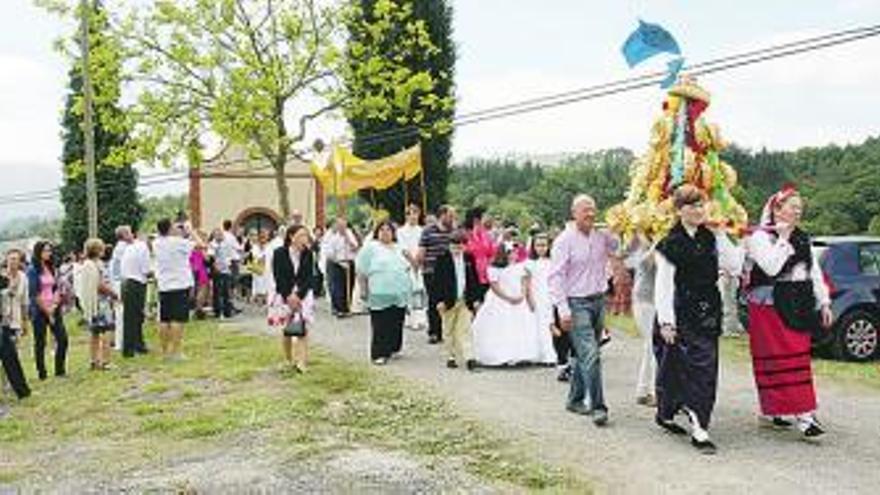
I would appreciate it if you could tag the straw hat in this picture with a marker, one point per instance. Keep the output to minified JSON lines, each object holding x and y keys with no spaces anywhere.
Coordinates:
{"x":687,"y":87}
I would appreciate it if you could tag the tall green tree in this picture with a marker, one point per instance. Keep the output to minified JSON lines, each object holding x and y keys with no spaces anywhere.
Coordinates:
{"x":118,"y":200}
{"x":424,"y":109}
{"x":249,"y":73}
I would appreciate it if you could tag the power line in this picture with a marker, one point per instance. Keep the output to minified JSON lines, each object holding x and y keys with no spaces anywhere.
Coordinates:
{"x":632,"y":87}
{"x":402,"y":131}
{"x":568,"y":97}
{"x":631,"y":84}
{"x":55,"y":190}
{"x":54,"y":194}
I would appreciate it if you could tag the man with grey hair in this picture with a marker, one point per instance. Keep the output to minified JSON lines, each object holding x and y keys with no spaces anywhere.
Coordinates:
{"x":577,"y":288}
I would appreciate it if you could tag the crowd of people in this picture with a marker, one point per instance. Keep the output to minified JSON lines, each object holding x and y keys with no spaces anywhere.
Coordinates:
{"x":497,"y":301}
{"x":493,"y":297}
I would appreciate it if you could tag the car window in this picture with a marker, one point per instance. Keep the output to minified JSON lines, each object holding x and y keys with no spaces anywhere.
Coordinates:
{"x":869,"y":259}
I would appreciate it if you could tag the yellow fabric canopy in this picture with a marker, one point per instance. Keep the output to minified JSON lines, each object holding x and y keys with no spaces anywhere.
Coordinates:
{"x":345,"y":174}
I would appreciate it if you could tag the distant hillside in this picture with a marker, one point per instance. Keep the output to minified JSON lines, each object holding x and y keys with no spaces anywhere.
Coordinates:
{"x":48,"y":227}
{"x":841,"y":185}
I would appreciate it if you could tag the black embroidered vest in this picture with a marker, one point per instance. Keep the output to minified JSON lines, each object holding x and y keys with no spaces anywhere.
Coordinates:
{"x":800,"y":241}
{"x":697,"y":301}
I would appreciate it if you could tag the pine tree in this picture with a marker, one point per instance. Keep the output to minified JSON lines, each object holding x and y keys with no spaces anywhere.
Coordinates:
{"x":439,"y":107}
{"x":118,"y":199}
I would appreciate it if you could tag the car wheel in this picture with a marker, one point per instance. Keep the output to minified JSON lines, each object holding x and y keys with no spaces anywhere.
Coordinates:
{"x":857,"y":337}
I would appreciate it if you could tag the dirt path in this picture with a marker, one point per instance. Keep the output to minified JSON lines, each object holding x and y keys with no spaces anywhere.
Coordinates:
{"x":632,"y":455}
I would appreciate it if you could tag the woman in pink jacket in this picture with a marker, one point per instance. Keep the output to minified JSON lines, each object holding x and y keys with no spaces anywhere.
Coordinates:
{"x":480,"y":245}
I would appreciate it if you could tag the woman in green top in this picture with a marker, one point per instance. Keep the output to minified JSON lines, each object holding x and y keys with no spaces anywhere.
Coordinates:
{"x":383,"y":268}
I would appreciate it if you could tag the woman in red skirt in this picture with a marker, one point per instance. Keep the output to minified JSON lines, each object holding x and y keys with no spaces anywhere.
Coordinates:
{"x":787,"y":301}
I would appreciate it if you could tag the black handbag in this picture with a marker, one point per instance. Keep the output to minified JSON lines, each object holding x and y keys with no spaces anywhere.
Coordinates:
{"x":296,"y":327}
{"x":796,"y":304}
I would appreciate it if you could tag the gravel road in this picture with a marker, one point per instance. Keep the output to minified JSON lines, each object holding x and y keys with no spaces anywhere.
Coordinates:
{"x":631,"y":455}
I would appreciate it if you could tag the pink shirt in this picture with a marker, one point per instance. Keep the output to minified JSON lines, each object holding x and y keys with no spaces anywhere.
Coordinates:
{"x":197,"y":264}
{"x":47,"y":285}
{"x":480,"y":245}
{"x":577,"y":265}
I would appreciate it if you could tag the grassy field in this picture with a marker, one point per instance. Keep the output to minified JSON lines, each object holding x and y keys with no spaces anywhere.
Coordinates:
{"x":230,"y":391}
{"x":737,"y":348}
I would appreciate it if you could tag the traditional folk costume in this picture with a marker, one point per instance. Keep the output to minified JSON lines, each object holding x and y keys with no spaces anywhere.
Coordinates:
{"x":687,"y":299}
{"x":785,"y":292}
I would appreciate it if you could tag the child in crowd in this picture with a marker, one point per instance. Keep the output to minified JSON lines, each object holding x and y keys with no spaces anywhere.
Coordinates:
{"x":538,"y":268}
{"x":504,"y":328}
{"x":563,"y":348}
{"x":457,"y":288}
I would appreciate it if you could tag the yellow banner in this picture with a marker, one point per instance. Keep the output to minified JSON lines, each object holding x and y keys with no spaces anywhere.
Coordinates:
{"x":346,"y":174}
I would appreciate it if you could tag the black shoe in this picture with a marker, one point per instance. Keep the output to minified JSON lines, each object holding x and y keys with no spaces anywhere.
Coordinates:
{"x":705,"y":447}
{"x":142,"y":350}
{"x":472,"y":365}
{"x":451,"y":364}
{"x":670,"y":426}
{"x":579,"y":408}
{"x":564,"y":375}
{"x":781,"y":423}
{"x":128,"y":354}
{"x":813,"y":431}
{"x":600,"y":417}
{"x":433,"y":340}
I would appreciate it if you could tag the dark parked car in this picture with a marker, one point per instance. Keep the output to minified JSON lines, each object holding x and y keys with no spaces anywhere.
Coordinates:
{"x":851,"y":266}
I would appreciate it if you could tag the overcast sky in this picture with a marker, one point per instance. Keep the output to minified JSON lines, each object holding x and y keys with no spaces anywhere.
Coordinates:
{"x":515,"y":49}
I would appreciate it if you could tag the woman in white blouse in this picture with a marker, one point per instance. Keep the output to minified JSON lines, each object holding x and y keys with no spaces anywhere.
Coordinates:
{"x":408,"y":237}
{"x":13,"y":316}
{"x":788,"y":300}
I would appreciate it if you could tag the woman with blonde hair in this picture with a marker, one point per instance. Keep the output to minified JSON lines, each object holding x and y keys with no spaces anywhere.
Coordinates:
{"x":97,"y":300}
{"x":788,"y":300}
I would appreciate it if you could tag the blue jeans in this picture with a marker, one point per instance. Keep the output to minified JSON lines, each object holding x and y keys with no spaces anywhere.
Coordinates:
{"x":587,"y":320}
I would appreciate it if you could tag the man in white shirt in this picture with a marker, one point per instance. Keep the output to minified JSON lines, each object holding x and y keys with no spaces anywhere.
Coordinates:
{"x":175,"y":280}
{"x":123,"y":239}
{"x":340,"y":248}
{"x":134,"y":269}
{"x":224,"y":249}
{"x":236,"y":252}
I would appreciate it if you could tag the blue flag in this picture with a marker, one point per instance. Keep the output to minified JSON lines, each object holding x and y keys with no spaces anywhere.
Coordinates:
{"x":646,"y":41}
{"x":673,"y":67}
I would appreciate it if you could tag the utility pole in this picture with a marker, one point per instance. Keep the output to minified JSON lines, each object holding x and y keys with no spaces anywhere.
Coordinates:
{"x":88,"y":123}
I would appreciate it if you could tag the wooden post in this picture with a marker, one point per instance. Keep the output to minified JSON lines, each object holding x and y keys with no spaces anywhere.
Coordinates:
{"x":88,"y":128}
